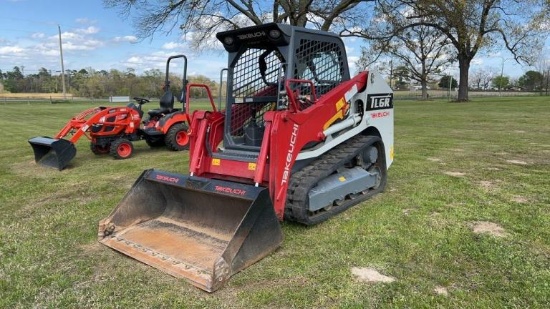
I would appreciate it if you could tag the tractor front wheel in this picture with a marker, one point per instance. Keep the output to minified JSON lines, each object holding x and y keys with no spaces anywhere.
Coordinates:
{"x":98,"y":149}
{"x":177,"y":137}
{"x":121,"y":149}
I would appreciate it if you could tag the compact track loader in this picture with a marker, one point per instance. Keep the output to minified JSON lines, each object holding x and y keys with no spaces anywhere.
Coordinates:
{"x":299,"y":140}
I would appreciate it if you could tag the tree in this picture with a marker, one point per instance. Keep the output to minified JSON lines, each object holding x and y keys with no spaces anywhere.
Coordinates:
{"x":153,"y":81}
{"x":545,"y":83}
{"x":202,"y":19}
{"x":531,"y":80}
{"x":14,"y":81}
{"x":480,"y":79}
{"x":199,"y":92}
{"x":16,"y":74}
{"x":422,"y":51}
{"x":446,"y":80}
{"x":401,"y":75}
{"x":471,"y":26}
{"x":501,"y":82}
{"x":543,"y":65}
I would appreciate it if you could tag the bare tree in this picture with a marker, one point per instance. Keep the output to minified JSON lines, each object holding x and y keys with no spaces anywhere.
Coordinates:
{"x":203,"y":18}
{"x":422,"y":51}
{"x":543,"y":66}
{"x":480,"y":79}
{"x":471,"y":26}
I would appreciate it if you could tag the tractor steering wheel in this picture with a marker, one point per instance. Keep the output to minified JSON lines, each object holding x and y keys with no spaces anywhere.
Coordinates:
{"x":141,"y":101}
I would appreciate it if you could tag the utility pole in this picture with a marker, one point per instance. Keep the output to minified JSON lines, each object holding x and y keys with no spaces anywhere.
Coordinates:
{"x":391,"y":73}
{"x":500,"y":81}
{"x":62,"y":65}
{"x":450,"y":85}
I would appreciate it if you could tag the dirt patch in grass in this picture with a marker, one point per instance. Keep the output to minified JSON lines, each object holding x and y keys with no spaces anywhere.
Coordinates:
{"x":67,"y":196}
{"x":455,"y":174}
{"x":30,"y":169}
{"x":520,"y":199}
{"x":441,"y":290}
{"x":488,"y":185}
{"x":92,"y":248}
{"x":518,"y":162}
{"x":367,"y":274}
{"x":434,"y":159}
{"x":437,"y":220}
{"x":486,"y":227}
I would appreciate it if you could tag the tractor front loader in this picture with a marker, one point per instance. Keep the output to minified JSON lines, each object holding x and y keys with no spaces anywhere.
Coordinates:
{"x":111,"y":130}
{"x":299,"y":140}
{"x":93,"y":123}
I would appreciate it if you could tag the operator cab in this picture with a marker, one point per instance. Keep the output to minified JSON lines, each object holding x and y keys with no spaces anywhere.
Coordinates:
{"x":260,"y":60}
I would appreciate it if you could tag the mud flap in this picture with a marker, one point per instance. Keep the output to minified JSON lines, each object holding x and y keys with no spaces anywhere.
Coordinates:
{"x":52,"y":152}
{"x":199,"y":229}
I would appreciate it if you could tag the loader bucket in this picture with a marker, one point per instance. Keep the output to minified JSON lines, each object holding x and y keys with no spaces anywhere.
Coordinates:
{"x":52,"y":152}
{"x":199,"y":229}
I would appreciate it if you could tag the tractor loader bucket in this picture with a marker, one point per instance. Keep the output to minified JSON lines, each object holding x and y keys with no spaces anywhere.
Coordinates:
{"x":52,"y":152}
{"x":199,"y":229}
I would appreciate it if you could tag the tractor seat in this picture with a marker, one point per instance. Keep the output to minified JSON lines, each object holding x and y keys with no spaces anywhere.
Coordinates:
{"x":166,"y":105}
{"x":159,"y":111}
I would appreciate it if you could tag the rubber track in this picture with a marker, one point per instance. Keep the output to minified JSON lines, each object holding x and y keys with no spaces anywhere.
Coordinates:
{"x":303,"y":181}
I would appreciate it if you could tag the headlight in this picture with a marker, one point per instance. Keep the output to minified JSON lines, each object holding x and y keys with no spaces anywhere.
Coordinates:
{"x":228,"y":40}
{"x":275,"y":34}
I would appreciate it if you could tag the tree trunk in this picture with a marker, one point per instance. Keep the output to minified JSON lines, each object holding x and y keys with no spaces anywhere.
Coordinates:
{"x":424,"y":82}
{"x":464,"y":67}
{"x":424,"y":93}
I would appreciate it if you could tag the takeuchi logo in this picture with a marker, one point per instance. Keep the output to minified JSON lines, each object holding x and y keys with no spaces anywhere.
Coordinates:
{"x":251,"y":35}
{"x":230,"y":190}
{"x":167,"y":178}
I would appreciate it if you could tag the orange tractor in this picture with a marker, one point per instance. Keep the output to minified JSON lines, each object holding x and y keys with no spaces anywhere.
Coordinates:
{"x":299,"y":139}
{"x":111,"y":130}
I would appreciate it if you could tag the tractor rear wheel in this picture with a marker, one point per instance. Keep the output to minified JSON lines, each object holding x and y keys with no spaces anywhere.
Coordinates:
{"x":121,"y":148}
{"x":177,"y":137}
{"x":99,"y":149}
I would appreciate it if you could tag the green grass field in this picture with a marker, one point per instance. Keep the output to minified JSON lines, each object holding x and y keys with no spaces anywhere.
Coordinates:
{"x":464,"y":221}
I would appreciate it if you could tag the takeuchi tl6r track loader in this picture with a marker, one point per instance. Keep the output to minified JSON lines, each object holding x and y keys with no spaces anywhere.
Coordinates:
{"x":299,"y":140}
{"x":111,"y":130}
